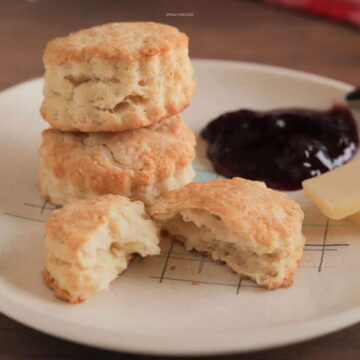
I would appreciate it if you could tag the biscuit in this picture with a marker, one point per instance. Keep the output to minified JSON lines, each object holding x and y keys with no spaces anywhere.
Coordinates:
{"x":254,"y":230}
{"x":140,"y":164}
{"x":116,"y":77}
{"x":90,"y":242}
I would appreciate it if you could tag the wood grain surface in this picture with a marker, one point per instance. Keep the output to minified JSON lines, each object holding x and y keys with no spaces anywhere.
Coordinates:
{"x":225,"y":29}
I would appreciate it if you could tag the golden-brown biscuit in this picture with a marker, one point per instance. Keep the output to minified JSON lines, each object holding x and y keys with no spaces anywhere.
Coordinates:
{"x":256,"y":231}
{"x":140,"y":164}
{"x":116,"y":76}
{"x":90,"y":242}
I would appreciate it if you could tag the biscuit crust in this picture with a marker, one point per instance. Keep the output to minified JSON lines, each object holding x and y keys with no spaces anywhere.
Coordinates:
{"x":59,"y":292}
{"x":264,"y":215}
{"x":126,"y":40}
{"x":140,"y":164}
{"x":116,"y":77}
{"x":76,"y":221}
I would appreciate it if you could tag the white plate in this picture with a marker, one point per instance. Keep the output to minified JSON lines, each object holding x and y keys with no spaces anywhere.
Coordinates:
{"x":178,"y":304}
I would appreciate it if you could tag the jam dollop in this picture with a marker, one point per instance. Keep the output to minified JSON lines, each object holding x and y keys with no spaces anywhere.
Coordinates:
{"x":282,"y":147}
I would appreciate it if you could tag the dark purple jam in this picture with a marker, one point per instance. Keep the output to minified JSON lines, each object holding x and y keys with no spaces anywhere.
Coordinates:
{"x":281,"y":147}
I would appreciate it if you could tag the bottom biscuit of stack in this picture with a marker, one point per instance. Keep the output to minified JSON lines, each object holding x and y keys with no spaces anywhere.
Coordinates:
{"x":141,"y":164}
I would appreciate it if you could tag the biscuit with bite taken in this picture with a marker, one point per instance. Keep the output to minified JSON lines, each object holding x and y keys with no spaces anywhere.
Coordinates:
{"x":255,"y":231}
{"x":90,"y":242}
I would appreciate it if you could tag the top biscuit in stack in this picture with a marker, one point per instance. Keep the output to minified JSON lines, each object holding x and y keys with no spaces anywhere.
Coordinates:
{"x":116,"y":77}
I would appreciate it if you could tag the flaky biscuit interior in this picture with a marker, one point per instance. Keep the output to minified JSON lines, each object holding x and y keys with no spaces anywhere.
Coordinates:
{"x":90,"y":242}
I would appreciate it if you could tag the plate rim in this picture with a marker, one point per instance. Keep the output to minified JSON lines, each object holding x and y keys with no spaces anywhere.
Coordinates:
{"x":282,"y":335}
{"x":279,"y":336}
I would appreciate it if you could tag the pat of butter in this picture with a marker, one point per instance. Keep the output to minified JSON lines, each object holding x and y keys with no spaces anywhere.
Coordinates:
{"x":337,"y":192}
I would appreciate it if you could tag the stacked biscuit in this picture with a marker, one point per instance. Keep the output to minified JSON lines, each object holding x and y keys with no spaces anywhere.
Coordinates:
{"x":113,"y":94}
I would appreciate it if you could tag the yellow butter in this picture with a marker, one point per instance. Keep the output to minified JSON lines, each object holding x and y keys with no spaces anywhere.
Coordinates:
{"x":337,"y":192}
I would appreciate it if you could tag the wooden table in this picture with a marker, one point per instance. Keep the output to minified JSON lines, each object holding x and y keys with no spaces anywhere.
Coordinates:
{"x":229,"y":29}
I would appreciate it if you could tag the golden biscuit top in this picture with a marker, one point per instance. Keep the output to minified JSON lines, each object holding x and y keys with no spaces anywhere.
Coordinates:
{"x":75,"y":222}
{"x":121,"y":159}
{"x":127,"y":41}
{"x":247,"y":207}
